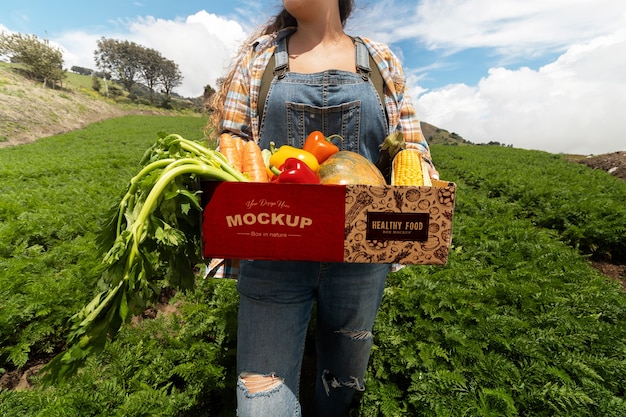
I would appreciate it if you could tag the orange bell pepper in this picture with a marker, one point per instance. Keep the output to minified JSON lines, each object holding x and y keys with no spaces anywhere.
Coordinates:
{"x":321,"y":147}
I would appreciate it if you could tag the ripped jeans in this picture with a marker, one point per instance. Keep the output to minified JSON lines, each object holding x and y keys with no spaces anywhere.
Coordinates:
{"x":276,"y":301}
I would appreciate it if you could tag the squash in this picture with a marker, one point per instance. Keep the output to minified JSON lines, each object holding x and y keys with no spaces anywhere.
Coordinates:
{"x":347,"y":167}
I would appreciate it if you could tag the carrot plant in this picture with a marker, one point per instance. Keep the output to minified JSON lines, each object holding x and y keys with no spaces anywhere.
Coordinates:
{"x":586,"y":207}
{"x":176,"y":364}
{"x":517,"y":323}
{"x":55,"y":194}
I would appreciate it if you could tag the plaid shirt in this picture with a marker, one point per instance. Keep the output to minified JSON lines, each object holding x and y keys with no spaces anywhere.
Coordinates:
{"x":241,"y":107}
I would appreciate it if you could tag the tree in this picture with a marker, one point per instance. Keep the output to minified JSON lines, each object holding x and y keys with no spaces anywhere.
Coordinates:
{"x":42,"y":61}
{"x":170,"y":76}
{"x":81,"y":70}
{"x":206,"y":97}
{"x":120,"y":59}
{"x":130,"y":63}
{"x":151,"y":63}
{"x":96,"y":84}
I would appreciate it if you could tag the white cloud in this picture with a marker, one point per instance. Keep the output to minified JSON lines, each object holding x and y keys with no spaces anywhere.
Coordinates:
{"x":376,"y":21}
{"x":78,"y":48}
{"x":4,"y":30}
{"x":574,"y":104}
{"x":201,"y":45}
{"x":513,"y":27}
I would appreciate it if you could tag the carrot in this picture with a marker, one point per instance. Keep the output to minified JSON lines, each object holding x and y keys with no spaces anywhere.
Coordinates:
{"x":253,"y":164}
{"x":231,"y":147}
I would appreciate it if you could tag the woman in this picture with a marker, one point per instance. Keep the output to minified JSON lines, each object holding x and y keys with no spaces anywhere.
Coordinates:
{"x":321,"y":81}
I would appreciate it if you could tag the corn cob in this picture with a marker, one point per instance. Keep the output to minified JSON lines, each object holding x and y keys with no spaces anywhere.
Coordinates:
{"x":408,"y":168}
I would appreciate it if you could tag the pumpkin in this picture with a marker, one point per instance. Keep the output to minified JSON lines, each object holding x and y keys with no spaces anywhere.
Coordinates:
{"x":347,"y":167}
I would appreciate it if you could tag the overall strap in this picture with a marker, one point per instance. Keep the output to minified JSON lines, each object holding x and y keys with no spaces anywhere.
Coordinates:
{"x":265,"y":86}
{"x":364,"y":64}
{"x":278,"y":65}
{"x":281,"y":58}
{"x":362,"y":59}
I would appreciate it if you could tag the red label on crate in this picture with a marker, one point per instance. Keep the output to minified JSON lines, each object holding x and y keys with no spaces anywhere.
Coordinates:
{"x":273,"y":221}
{"x":397,"y":226}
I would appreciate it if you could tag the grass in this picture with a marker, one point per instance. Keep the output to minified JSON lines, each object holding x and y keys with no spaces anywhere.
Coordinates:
{"x":78,"y":81}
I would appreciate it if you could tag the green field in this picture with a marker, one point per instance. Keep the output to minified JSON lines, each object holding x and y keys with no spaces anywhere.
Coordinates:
{"x":516,"y":324}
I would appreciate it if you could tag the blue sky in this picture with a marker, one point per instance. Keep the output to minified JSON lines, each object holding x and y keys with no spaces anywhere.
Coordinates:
{"x":535,"y":74}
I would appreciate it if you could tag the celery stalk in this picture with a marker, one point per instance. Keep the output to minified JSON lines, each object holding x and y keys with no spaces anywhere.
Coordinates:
{"x":132,"y":269}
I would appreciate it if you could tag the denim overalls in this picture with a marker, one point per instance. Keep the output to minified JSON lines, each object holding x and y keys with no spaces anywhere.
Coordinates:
{"x":277,"y":297}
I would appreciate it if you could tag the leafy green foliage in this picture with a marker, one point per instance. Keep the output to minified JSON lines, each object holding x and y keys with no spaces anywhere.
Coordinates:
{"x":55,"y":194}
{"x":586,"y":207}
{"x":180,"y":363}
{"x":129,"y":62}
{"x":42,"y":60}
{"x":152,"y":241}
{"x":516,"y":324}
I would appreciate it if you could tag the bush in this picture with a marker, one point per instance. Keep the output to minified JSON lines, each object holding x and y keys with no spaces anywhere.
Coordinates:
{"x":96,"y":83}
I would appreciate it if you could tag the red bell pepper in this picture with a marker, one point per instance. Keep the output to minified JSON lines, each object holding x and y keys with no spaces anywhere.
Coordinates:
{"x":295,"y":171}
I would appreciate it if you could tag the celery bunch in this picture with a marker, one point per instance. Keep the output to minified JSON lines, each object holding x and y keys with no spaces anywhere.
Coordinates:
{"x":152,"y":241}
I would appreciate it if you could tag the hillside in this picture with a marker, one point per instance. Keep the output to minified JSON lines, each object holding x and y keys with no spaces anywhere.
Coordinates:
{"x":29,"y":111}
{"x":437,"y":136}
{"x":613,"y":163}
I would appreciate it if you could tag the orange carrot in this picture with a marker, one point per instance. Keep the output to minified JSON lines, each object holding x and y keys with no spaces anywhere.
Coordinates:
{"x":231,"y":147}
{"x":253,"y":164}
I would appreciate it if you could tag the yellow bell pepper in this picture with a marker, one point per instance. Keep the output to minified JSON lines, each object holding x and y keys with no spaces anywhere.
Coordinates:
{"x":280,"y":155}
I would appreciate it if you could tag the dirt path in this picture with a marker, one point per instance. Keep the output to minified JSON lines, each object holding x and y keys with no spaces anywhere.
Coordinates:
{"x":613,"y":163}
